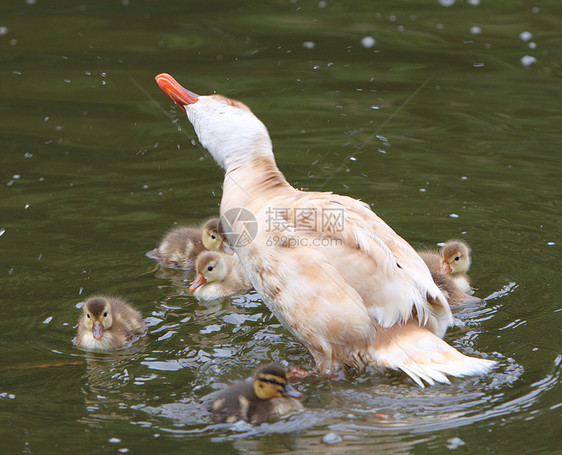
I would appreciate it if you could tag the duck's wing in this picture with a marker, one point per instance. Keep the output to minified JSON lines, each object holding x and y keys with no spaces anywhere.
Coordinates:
{"x":369,"y":251}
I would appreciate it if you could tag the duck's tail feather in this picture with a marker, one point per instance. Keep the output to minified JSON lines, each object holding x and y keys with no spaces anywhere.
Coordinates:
{"x":422,"y":355}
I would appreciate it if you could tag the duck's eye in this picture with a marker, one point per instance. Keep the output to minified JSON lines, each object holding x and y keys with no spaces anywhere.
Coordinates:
{"x":457,"y":258}
{"x":105,"y":314}
{"x":88,"y":314}
{"x":213,"y":236}
{"x":210,"y":268}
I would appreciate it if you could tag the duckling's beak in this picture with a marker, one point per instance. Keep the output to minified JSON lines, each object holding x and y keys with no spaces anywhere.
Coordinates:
{"x":225,"y":248}
{"x":97,"y":330}
{"x":180,"y":95}
{"x":446,"y":268}
{"x":199,"y":281}
{"x":291,"y":392}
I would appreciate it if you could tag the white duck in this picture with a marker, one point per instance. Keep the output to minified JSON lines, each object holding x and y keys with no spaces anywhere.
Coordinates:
{"x":340,"y":279}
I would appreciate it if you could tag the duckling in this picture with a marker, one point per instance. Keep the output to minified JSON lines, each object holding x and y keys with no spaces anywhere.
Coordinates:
{"x":218,"y":275}
{"x":454,"y":295}
{"x":213,"y":237}
{"x":265,"y":395}
{"x":180,"y":246}
{"x":453,"y":260}
{"x":108,"y":323}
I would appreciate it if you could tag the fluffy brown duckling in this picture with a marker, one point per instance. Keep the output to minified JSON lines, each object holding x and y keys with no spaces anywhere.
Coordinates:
{"x":218,"y":276}
{"x":267,"y":394}
{"x":453,"y":260}
{"x":180,"y":247}
{"x":454,"y":295}
{"x":108,"y":323}
{"x":213,"y":237}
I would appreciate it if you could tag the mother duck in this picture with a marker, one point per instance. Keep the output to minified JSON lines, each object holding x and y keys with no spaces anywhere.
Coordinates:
{"x":336,"y":275}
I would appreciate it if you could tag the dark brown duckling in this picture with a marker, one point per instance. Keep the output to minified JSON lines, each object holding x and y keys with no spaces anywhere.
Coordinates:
{"x":108,"y":323}
{"x":267,"y":394}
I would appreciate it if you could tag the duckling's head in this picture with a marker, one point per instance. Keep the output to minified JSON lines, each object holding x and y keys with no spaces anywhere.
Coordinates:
{"x":97,"y":317}
{"x":455,"y":256}
{"x":225,"y":127}
{"x":210,"y":269}
{"x":213,"y":237}
{"x":270,"y":381}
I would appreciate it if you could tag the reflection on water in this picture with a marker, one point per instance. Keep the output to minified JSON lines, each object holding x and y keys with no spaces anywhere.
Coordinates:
{"x":93,"y":171}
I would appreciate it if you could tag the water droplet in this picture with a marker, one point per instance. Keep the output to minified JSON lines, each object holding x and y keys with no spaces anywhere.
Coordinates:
{"x":475,"y":30}
{"x":331,"y":438}
{"x":454,"y":215}
{"x":308,"y":45}
{"x":528,"y":60}
{"x":368,"y":42}
{"x":3,"y":30}
{"x":454,"y":443}
{"x":525,"y":36}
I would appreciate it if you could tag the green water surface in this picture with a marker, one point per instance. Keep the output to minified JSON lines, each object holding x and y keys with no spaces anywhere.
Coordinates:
{"x":443,"y":115}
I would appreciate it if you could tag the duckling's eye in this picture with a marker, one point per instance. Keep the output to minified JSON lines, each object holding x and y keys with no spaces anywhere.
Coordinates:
{"x":213,"y":236}
{"x":88,"y":314}
{"x":105,"y":314}
{"x":457,"y":258}
{"x":210,"y":268}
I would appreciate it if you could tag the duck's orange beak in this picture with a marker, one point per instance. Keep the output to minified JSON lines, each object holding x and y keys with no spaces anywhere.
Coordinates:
{"x":180,"y":95}
{"x":446,"y":268}
{"x":225,"y":248}
{"x":97,"y":330}
{"x":199,"y":281}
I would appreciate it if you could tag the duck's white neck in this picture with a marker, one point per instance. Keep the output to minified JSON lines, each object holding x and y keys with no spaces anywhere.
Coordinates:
{"x":235,"y":158}
{"x":233,"y":136}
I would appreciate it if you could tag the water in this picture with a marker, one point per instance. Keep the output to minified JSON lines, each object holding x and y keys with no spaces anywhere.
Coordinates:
{"x":450,"y":112}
